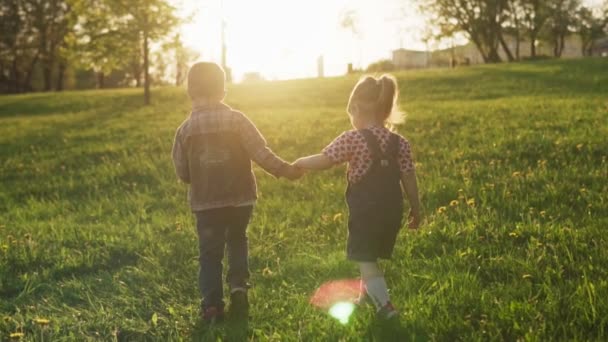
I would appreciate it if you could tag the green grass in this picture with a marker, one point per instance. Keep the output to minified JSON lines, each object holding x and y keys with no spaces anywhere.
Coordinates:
{"x":96,"y":236}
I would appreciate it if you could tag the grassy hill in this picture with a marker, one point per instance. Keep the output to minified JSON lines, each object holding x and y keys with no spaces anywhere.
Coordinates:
{"x":96,"y":236}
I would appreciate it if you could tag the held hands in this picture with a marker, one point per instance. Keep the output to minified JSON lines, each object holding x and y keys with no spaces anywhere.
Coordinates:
{"x":293,"y":172}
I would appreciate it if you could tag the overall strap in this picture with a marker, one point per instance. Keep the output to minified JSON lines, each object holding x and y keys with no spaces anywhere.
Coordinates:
{"x":392,"y":150}
{"x":372,"y":143}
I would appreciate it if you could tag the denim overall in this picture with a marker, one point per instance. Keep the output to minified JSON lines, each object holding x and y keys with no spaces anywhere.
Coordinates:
{"x":375,"y":204}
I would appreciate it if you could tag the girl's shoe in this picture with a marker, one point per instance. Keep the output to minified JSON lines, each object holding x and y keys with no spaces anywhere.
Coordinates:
{"x":212,"y":315}
{"x":387,"y":312}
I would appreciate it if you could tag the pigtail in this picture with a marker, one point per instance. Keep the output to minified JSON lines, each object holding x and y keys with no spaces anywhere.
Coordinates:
{"x":387,"y":101}
{"x":377,"y":96}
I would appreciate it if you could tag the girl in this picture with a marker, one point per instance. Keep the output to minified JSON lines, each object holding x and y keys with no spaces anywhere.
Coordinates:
{"x":378,"y":161}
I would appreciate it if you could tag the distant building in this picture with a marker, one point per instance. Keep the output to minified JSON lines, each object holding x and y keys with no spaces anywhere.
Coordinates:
{"x":409,"y":59}
{"x":600,"y":47}
{"x":469,"y":54}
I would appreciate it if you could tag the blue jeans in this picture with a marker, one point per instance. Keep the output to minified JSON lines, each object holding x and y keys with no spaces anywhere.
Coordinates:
{"x":218,"y":229}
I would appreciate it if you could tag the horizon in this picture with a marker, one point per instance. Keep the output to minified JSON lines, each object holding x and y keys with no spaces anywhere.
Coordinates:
{"x":292,"y":52}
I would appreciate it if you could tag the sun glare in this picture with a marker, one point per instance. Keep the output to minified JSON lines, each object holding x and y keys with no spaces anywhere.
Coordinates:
{"x":342,"y":311}
{"x":283,"y":39}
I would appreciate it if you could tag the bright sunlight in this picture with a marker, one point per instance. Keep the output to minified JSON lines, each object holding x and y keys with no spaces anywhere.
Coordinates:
{"x":283,"y":39}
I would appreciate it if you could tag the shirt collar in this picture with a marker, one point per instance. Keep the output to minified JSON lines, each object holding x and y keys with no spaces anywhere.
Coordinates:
{"x":205,"y":105}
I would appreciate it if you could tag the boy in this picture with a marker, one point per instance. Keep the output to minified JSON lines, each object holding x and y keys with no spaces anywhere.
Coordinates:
{"x":212,"y":152}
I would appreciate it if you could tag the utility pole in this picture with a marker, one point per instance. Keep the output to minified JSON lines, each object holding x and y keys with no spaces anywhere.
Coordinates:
{"x":223,"y":57}
{"x":320,"y":67}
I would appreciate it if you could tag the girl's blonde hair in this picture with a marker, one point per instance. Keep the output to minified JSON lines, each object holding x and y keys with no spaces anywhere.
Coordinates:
{"x":377,"y":97}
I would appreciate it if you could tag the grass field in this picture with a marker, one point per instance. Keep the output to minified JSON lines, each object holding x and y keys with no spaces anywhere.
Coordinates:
{"x":96,"y":236}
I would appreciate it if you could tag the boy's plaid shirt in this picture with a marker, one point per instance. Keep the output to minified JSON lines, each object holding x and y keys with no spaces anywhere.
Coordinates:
{"x":206,"y":119}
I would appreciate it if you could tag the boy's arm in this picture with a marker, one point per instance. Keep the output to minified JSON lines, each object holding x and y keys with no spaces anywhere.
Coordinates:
{"x":314,"y":162}
{"x":410,"y":187}
{"x":180,"y":159}
{"x":261,"y":154}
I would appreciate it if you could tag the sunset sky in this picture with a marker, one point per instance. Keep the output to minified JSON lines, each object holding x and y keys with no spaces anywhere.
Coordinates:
{"x":282,"y":39}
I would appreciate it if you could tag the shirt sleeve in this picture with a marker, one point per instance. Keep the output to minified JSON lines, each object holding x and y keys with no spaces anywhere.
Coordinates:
{"x":257,"y":148}
{"x":406,"y":160}
{"x":180,"y":158}
{"x":340,"y":150}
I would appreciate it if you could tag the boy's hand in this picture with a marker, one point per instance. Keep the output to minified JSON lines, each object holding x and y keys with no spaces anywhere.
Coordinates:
{"x":293,"y":172}
{"x":414,"y":219}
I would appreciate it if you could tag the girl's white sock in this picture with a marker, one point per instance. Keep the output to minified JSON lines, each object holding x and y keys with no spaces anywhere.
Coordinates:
{"x":374,"y":283}
{"x":378,"y":291}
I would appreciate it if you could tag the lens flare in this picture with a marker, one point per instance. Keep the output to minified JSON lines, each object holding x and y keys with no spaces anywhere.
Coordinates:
{"x":337,"y":297}
{"x":342,"y":311}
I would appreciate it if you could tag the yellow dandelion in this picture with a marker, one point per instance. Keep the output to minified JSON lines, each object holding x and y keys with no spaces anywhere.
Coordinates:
{"x":16,"y":335}
{"x":41,"y":321}
{"x":513,"y":234}
{"x":441,"y":210}
{"x":526,"y":276}
{"x":471,"y":202}
{"x":267,"y":272}
{"x":516,"y":174}
{"x":453,"y":203}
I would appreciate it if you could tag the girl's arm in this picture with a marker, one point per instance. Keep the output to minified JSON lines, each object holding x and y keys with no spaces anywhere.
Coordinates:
{"x":410,"y":187}
{"x":314,"y":162}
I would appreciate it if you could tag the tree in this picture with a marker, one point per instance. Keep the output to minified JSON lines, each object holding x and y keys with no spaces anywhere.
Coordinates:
{"x":151,"y":20}
{"x":535,"y":15}
{"x":50,"y":21}
{"x":184,"y":56}
{"x":513,"y":25}
{"x":103,"y":41}
{"x":591,"y":27}
{"x":19,"y":47}
{"x":349,"y":21}
{"x":561,"y":21}
{"x":480,"y":20}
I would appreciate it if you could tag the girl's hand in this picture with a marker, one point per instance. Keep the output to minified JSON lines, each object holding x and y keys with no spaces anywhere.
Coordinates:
{"x":314,"y":162}
{"x":414,"y":219}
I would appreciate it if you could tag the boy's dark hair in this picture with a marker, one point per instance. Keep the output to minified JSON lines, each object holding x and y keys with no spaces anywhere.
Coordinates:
{"x":205,"y":79}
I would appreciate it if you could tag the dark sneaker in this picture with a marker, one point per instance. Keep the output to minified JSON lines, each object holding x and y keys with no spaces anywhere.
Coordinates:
{"x":387,"y":312}
{"x":212,"y":315}
{"x":239,"y":304}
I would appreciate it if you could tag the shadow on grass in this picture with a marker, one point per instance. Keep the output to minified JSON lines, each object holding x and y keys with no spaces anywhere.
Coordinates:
{"x":231,"y":330}
{"x":30,"y":105}
{"x":17,"y":284}
{"x":395,"y":330}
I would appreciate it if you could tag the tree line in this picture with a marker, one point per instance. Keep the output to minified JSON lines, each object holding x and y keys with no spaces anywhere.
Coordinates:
{"x":46,"y":45}
{"x":487,"y":23}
